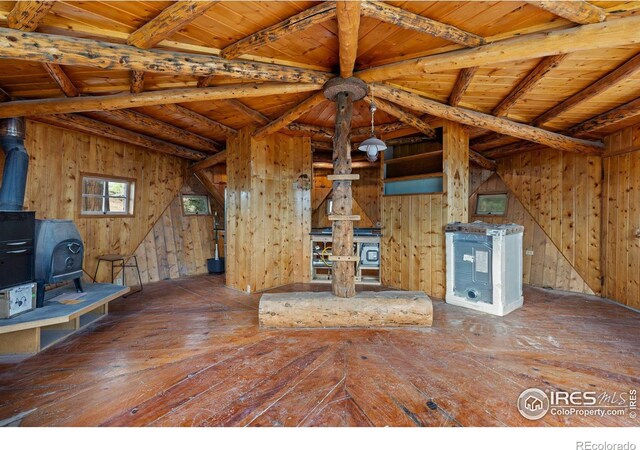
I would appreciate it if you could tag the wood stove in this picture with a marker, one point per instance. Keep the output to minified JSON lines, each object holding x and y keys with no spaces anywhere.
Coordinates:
{"x":59,"y":254}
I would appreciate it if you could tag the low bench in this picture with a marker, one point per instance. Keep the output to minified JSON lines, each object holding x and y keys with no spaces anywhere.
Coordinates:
{"x":33,"y":331}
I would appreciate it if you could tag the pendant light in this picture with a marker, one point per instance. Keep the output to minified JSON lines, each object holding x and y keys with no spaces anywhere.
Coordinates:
{"x":372,"y":145}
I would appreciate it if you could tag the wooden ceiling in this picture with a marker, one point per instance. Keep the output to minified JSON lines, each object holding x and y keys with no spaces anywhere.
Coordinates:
{"x":412,"y":46}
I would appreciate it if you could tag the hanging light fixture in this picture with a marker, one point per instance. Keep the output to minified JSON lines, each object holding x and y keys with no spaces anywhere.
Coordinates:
{"x":372,"y":145}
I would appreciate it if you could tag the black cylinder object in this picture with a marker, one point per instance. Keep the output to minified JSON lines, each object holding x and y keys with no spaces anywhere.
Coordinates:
{"x":16,"y":164}
{"x":215,"y":265}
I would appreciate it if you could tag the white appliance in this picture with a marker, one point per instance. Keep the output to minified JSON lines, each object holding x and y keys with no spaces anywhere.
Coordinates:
{"x":16,"y":300}
{"x":484,"y":266}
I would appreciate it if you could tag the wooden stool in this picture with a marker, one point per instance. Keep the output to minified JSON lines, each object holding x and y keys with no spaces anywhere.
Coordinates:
{"x":120,"y":262}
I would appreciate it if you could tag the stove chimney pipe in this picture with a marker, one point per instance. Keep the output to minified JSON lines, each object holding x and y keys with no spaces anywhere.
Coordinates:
{"x":16,"y":164}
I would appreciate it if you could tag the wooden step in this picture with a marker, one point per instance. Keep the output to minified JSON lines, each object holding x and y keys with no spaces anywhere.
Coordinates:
{"x":336,"y":217}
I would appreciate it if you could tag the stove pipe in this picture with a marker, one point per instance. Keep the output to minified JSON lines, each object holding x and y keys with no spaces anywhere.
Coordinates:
{"x":16,"y":164}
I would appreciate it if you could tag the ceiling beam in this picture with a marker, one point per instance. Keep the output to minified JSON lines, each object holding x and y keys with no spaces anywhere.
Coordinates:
{"x":218,"y":158}
{"x":546,"y":65}
{"x":481,"y":120}
{"x":4,"y":96}
{"x":27,"y":15}
{"x":482,"y":161}
{"x":290,"y":116}
{"x":136,"y":84}
{"x":405,"y":117}
{"x":348,"y":14}
{"x":625,"y":71}
{"x":62,"y":79}
{"x":66,"y":50}
{"x":577,"y":11}
{"x":168,"y":22}
{"x":198,"y":119}
{"x":526,"y":85}
{"x":158,"y":127}
{"x":379,"y":129}
{"x":414,"y":22}
{"x":465,"y":76}
{"x":294,"y":24}
{"x":621,"y":113}
{"x":313,"y":131}
{"x":250,"y":113}
{"x":513,"y":149}
{"x":610,"y":34}
{"x":128,"y":100}
{"x":83,"y":124}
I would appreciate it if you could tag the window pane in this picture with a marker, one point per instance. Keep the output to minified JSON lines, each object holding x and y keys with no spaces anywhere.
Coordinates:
{"x":92,"y":204}
{"x":491,"y":204}
{"x":93,"y":186}
{"x":117,"y":189}
{"x":117,"y":205}
{"x":195,"y":204}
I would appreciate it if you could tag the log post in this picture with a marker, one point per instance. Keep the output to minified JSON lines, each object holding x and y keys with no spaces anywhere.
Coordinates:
{"x":344,"y":91}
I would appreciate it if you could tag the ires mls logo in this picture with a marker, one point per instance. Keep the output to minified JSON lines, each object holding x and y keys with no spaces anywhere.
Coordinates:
{"x":534,"y":404}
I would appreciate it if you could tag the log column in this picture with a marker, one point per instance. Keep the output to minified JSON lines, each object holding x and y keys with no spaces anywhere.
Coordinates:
{"x":344,"y":91}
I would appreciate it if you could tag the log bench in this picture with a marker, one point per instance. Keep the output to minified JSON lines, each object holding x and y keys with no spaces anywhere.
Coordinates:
{"x":366,"y":309}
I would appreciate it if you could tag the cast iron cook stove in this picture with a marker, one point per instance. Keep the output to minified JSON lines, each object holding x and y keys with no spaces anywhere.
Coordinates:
{"x":59,"y":254}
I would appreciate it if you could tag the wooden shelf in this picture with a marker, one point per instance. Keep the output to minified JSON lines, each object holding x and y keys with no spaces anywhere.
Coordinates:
{"x":414,"y":177}
{"x":414,"y":158}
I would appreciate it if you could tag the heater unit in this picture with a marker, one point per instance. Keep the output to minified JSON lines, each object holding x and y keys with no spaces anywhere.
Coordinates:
{"x":484,"y":266}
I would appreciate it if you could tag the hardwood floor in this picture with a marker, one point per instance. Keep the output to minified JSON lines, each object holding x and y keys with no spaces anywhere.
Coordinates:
{"x":189,"y":352}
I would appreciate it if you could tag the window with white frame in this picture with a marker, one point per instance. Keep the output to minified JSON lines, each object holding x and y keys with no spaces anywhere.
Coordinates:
{"x":196,"y":205}
{"x":107,"y":196}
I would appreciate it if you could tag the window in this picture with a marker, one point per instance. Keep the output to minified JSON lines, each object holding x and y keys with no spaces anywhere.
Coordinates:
{"x":491,"y":204}
{"x":102,"y":196}
{"x":196,"y":205}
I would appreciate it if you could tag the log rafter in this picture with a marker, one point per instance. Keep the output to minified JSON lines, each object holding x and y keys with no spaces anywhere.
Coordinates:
{"x":623,"y":72}
{"x":66,"y":50}
{"x":481,"y":120}
{"x":465,"y":77}
{"x":27,"y":15}
{"x":294,"y":24}
{"x":211,"y":161}
{"x":174,"y":133}
{"x":290,"y":116}
{"x":199,"y":119}
{"x":168,"y":22}
{"x":405,"y":117}
{"x":348,"y":15}
{"x":537,"y":45}
{"x":128,"y":100}
{"x":577,"y":11}
{"x":87,"y":125}
{"x":415,"y":22}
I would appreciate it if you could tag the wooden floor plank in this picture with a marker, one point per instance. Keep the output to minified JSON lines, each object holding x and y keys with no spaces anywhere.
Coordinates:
{"x":190,"y":352}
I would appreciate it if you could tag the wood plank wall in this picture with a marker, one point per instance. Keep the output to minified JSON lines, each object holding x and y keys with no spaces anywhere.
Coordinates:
{"x":621,"y":216}
{"x":412,"y":244}
{"x":547,"y":266}
{"x":367,"y":192}
{"x":268,"y":215}
{"x":177,"y":245}
{"x":57,"y":159}
{"x":562,"y":192}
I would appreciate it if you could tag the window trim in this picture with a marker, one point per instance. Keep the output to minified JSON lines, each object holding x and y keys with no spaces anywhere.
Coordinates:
{"x":184,"y":213}
{"x":506,"y":207}
{"x":130,"y":197}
